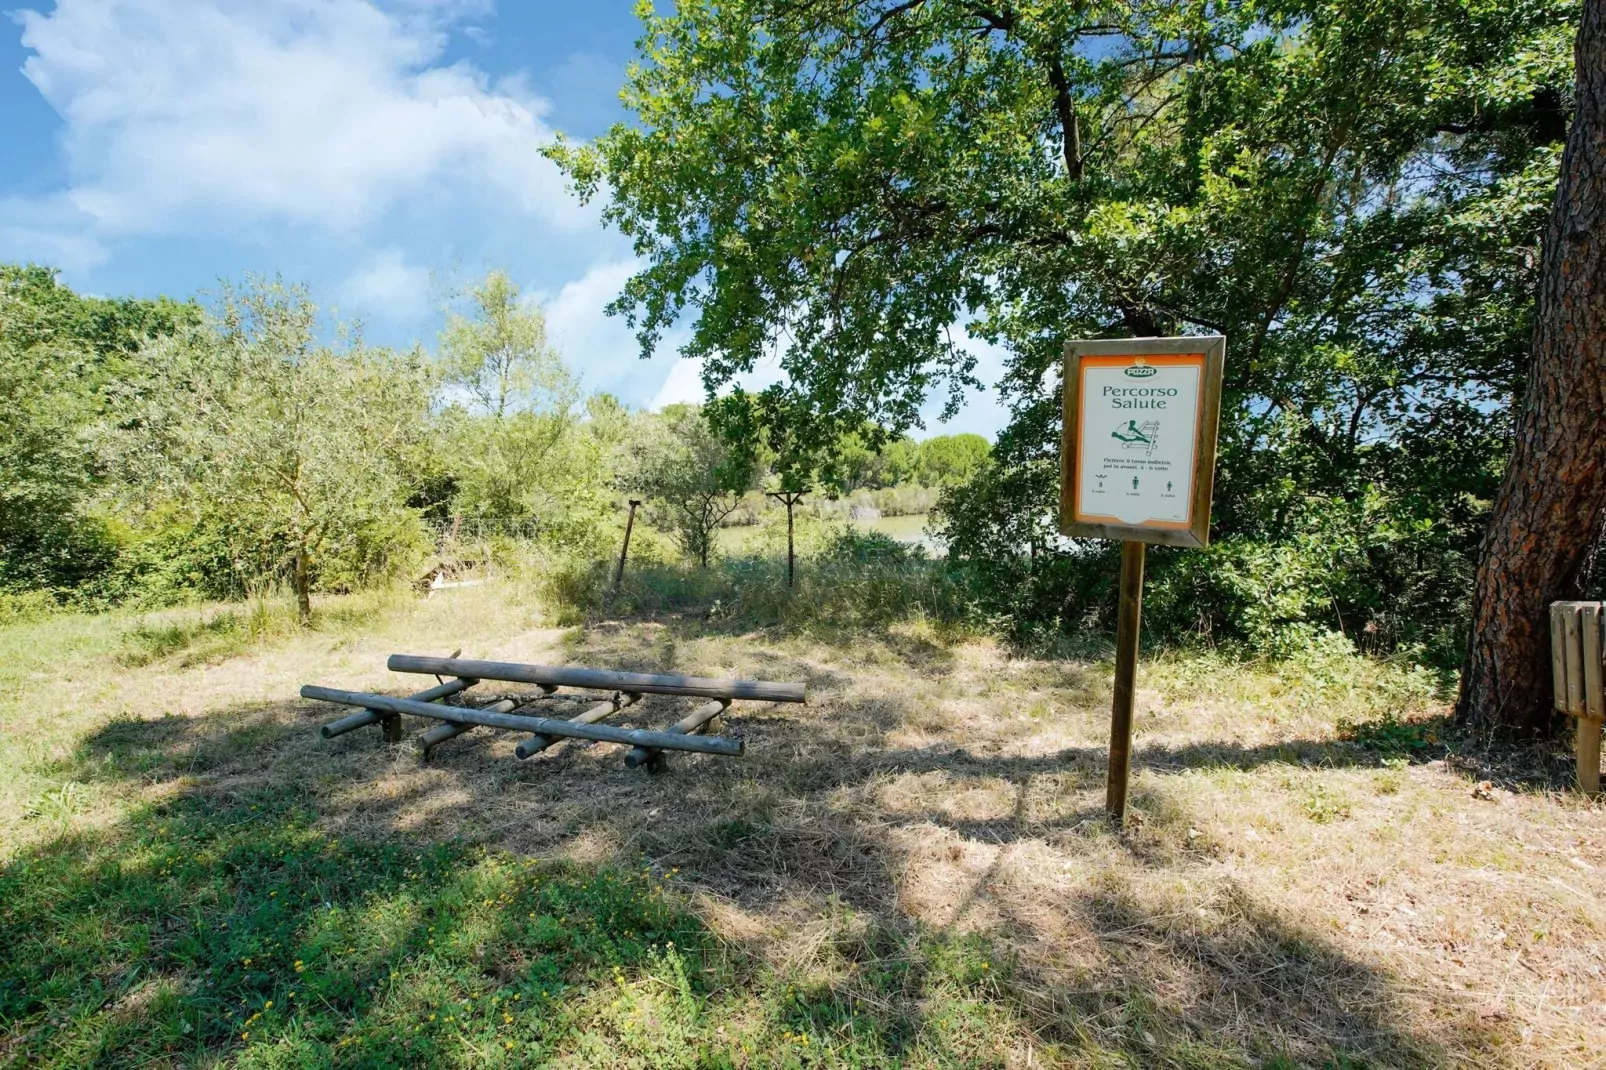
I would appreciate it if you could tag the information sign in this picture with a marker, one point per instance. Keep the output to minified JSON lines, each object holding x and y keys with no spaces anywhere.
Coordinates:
{"x":1138,"y":463}
{"x":1138,"y":459}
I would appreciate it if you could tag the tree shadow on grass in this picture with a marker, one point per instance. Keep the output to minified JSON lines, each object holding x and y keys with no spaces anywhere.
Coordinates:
{"x":222,"y":925}
{"x":160,"y":938}
{"x":654,"y":645}
{"x":801,"y":862}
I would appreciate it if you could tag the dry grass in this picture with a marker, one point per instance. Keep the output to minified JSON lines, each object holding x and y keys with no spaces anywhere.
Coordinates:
{"x":1286,"y":898}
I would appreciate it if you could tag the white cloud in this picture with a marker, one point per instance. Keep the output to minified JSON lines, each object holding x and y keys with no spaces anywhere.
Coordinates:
{"x":193,"y":116}
{"x":602,"y":348}
{"x":389,"y":286}
{"x":684,"y":384}
{"x":49,"y":230}
{"x":598,"y":346}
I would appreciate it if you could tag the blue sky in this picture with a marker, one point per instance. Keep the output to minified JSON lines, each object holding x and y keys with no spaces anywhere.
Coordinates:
{"x":383,"y":153}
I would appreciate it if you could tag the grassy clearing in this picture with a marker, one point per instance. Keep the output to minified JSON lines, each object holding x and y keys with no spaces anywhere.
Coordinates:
{"x":910,"y":871}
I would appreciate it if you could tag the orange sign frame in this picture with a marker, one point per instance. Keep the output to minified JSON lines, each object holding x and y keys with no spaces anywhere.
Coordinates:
{"x":1208,"y":354}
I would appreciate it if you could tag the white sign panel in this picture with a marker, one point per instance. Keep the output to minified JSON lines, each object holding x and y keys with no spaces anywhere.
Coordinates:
{"x":1139,"y":430}
{"x":1138,"y":459}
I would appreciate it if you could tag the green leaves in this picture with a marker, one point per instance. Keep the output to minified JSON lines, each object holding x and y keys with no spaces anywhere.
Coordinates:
{"x":293,"y":448}
{"x":1351,"y":191}
{"x":688,"y":476}
{"x":500,"y":357}
{"x":60,"y":358}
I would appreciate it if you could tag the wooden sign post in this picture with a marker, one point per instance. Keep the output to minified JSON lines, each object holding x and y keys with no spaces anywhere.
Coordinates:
{"x":630,"y":523}
{"x":1138,"y":463}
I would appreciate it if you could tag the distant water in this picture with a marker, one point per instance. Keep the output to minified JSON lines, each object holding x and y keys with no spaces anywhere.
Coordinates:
{"x":906,"y":529}
{"x":909,"y":529}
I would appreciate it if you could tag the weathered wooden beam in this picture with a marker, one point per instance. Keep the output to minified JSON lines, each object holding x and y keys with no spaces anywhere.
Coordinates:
{"x":601,"y":679}
{"x":1128,"y":625}
{"x":1577,"y":677}
{"x":368,"y":717}
{"x":693,"y":723}
{"x":619,"y":573}
{"x":1586,"y":742}
{"x":538,"y":743}
{"x":441,"y":733}
{"x":638,"y":737}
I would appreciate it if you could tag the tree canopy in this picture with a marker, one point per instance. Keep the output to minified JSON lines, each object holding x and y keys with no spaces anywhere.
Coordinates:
{"x":64,"y":360}
{"x":289,"y":446}
{"x":1352,"y":192}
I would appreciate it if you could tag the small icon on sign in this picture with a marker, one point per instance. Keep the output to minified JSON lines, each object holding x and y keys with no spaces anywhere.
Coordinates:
{"x":1168,"y":486}
{"x":1135,"y":436}
{"x":1134,"y":482}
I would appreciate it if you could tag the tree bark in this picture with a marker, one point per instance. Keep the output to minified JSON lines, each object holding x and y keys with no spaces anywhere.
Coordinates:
{"x":1548,"y":518}
{"x":301,"y":580}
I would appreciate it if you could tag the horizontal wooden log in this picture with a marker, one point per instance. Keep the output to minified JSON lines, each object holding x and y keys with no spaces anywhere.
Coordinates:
{"x":639,"y":683}
{"x":368,"y":717}
{"x":546,"y":726}
{"x":441,"y":733}
{"x":686,"y":726}
{"x":538,"y":743}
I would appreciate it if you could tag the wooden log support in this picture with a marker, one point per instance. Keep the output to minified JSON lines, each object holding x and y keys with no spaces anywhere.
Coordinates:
{"x":1128,"y":625}
{"x":1578,"y":679}
{"x":538,"y":743}
{"x":600,"y":679}
{"x":630,"y":523}
{"x":697,"y":721}
{"x":368,"y":717}
{"x":442,"y":732}
{"x":1558,"y":656}
{"x":1586,"y":733}
{"x":541,"y":725}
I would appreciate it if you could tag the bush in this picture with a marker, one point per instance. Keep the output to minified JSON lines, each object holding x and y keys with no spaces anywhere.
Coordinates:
{"x":1370,"y":569}
{"x":855,"y":580}
{"x":851,"y":545}
{"x":17,"y":607}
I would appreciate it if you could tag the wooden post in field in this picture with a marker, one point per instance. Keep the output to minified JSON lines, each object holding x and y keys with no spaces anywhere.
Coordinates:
{"x":789,"y":498}
{"x":630,"y":523}
{"x":1137,"y":464}
{"x":1128,"y":627}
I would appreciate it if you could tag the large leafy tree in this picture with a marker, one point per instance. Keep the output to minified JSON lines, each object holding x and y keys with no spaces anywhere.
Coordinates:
{"x":1351,"y":191}
{"x":512,"y":405}
{"x":1546,"y":529}
{"x":63,"y":358}
{"x":296,"y":448}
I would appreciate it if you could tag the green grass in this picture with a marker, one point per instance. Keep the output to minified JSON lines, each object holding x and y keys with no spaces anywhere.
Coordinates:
{"x":194,"y":932}
{"x":909,"y":871}
{"x":191,"y":929}
{"x":854,"y":581}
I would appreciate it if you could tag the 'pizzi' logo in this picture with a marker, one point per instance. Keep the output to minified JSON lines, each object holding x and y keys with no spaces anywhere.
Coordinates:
{"x":1140,"y":371}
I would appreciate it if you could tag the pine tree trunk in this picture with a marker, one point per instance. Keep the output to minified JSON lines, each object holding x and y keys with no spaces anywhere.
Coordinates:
{"x":1547,"y":520}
